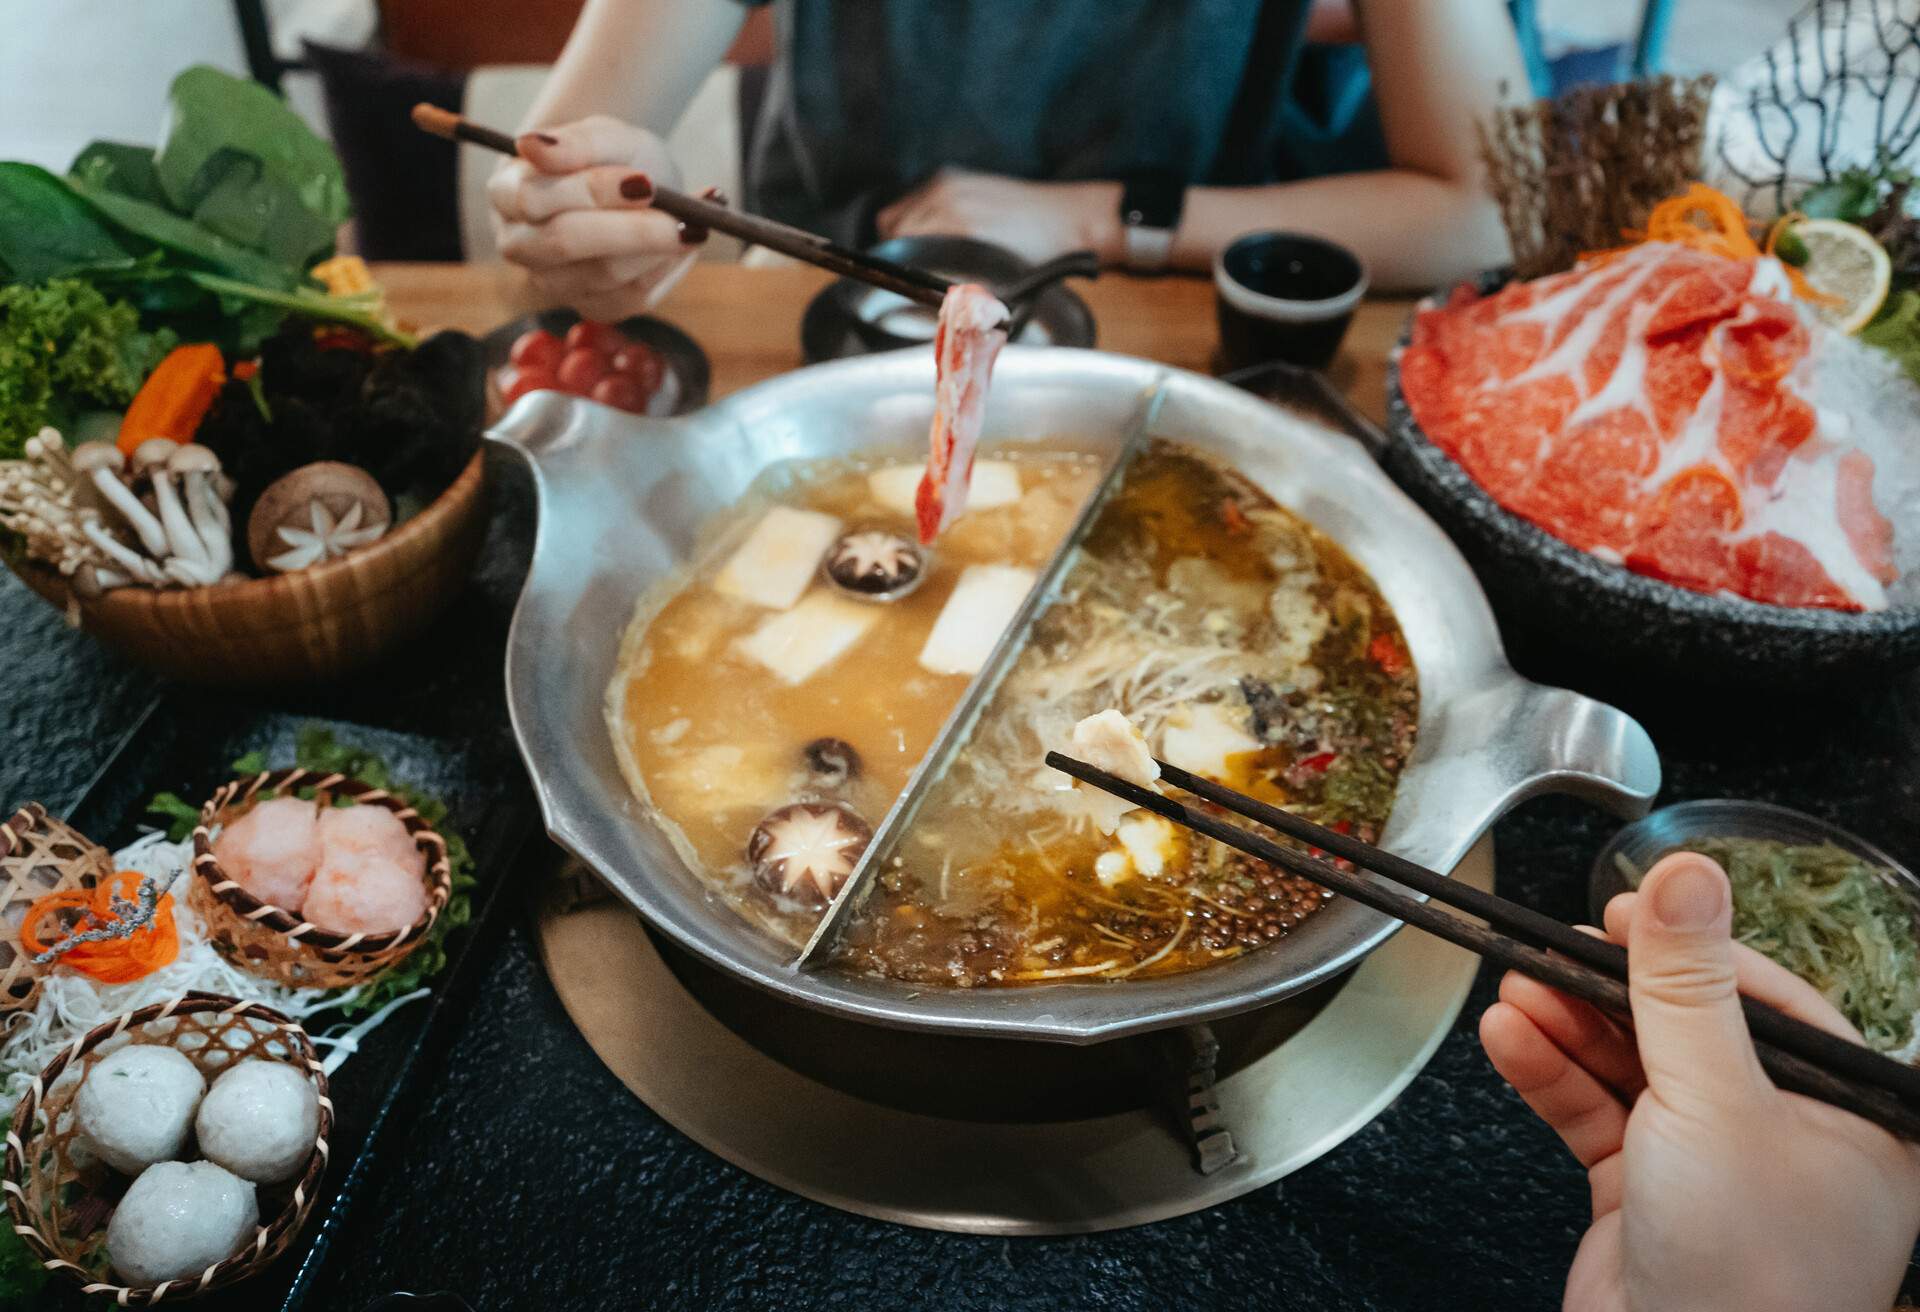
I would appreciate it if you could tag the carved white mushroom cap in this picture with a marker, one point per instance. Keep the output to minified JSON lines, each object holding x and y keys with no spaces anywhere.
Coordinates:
{"x":318,"y":512}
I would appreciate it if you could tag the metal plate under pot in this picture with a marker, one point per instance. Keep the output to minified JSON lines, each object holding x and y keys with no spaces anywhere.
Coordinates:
{"x":1287,"y":1109}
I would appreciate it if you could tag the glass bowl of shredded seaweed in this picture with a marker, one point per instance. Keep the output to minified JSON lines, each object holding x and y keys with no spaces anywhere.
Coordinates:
{"x":1832,"y":908}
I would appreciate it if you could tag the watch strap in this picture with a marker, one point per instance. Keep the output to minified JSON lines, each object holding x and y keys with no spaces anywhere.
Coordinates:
{"x":1150,"y":208}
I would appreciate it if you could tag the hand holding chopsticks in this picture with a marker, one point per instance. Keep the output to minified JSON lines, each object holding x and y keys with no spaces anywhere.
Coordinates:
{"x":700,"y":213}
{"x":914,"y":284}
{"x":1797,"y":1056}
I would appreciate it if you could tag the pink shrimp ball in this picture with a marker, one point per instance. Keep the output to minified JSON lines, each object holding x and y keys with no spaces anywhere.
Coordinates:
{"x":370,"y":877}
{"x":364,"y":893}
{"x":272,"y":850}
{"x":348,"y":833}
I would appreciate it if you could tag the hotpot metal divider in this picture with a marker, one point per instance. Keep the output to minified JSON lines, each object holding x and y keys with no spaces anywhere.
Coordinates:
{"x":957,"y":731}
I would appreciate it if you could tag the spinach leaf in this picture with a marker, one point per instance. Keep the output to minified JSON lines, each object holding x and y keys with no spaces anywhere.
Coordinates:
{"x":185,"y":238}
{"x":117,"y":166}
{"x":216,"y":115}
{"x":46,"y":230}
{"x":262,"y":213}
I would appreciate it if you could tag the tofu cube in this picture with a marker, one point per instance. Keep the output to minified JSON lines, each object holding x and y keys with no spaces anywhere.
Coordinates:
{"x":799,"y":643}
{"x":995,"y":483}
{"x":982,"y":605}
{"x":1149,"y":842}
{"x":776,"y":563}
{"x":1204,"y":738}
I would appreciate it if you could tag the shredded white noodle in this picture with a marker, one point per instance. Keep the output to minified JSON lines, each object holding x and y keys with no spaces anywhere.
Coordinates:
{"x":70,"y":1003}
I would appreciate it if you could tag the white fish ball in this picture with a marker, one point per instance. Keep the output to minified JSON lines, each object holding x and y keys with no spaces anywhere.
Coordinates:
{"x":259,"y":1120}
{"x":136,"y":1105}
{"x":178,"y":1219}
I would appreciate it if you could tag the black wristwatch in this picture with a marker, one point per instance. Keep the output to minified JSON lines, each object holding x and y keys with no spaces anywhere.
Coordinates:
{"x":1150,"y":207}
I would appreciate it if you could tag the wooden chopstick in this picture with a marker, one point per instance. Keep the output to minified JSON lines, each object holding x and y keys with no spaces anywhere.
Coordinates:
{"x":915,"y":284}
{"x":1778,"y":1028}
{"x":1788,"y":1070}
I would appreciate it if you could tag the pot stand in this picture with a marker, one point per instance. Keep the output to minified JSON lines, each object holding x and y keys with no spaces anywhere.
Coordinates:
{"x":1275,"y":1112}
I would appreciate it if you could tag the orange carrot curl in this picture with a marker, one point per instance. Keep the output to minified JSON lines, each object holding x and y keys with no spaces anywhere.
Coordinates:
{"x":129,"y":953}
{"x":1709,"y":220}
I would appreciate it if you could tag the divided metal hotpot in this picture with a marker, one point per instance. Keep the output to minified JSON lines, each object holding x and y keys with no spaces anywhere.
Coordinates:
{"x":621,"y":504}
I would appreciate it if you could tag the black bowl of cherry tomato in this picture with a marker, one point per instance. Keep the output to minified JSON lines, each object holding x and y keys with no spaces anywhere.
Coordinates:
{"x":642,"y":365}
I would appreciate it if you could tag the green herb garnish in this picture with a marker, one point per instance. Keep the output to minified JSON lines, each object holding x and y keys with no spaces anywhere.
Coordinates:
{"x":1833,"y":919}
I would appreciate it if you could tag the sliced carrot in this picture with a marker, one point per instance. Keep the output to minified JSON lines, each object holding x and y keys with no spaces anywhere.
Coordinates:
{"x":117,"y":960}
{"x":176,"y":396}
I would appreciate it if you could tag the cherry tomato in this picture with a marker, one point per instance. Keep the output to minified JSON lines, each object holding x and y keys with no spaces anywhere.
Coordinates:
{"x":537,"y":348}
{"x":602,"y":339}
{"x":516,"y":383}
{"x":579,"y":370}
{"x":641,"y":363}
{"x":620,"y":390}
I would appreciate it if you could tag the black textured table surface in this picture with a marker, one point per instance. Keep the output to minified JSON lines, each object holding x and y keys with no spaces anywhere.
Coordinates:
{"x":525,"y":1176}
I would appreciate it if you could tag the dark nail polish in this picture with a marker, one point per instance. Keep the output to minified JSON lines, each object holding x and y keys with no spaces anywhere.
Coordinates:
{"x":692,"y":234}
{"x":636,"y":186}
{"x":714,"y":194}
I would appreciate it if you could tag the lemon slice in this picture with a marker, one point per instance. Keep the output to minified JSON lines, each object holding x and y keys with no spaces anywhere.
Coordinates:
{"x":1844,"y":261}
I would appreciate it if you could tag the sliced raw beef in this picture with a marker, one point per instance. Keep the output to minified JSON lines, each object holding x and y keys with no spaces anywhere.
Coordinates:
{"x":1651,"y":408}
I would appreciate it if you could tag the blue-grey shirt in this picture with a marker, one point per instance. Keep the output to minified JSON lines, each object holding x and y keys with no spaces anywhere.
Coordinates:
{"x":870,"y":98}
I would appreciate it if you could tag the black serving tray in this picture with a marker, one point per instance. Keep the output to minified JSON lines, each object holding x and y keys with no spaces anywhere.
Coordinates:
{"x":186,"y":742}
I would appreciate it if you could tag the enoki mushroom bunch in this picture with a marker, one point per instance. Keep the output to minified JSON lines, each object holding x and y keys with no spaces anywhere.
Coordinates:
{"x":157,"y":518}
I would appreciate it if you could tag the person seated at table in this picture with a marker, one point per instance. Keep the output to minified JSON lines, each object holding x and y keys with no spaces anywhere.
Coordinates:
{"x":1713,"y":1191}
{"x":1151,"y":131}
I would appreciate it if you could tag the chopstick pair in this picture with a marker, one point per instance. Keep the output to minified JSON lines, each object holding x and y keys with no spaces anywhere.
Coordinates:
{"x":915,"y":284}
{"x":1797,"y":1056}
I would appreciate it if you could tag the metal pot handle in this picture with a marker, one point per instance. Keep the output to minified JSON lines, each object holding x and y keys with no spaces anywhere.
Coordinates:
{"x":1562,"y":742}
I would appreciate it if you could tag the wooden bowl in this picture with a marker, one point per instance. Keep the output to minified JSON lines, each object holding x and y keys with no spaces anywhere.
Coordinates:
{"x":60,"y":1201}
{"x":277,"y":943}
{"x":313,"y":624}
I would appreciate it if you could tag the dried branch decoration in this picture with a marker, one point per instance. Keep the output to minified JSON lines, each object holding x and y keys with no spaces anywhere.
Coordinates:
{"x":130,"y":915}
{"x":1841,"y":91}
{"x":1572,"y":174}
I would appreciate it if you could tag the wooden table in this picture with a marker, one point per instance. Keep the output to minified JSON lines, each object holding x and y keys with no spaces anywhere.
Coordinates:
{"x":748,"y":319}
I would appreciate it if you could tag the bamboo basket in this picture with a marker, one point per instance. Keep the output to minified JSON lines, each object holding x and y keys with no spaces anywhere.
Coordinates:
{"x":274,"y":942}
{"x":38,"y":855}
{"x":315,"y":623}
{"x":60,"y":1203}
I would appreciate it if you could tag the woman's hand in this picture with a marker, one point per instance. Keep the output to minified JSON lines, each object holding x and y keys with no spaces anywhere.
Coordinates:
{"x":573,"y":210}
{"x":1712,"y":1189}
{"x":1037,"y":220}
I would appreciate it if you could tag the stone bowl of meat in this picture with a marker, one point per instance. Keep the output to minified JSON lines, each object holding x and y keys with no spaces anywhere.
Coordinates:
{"x":1659,"y":468}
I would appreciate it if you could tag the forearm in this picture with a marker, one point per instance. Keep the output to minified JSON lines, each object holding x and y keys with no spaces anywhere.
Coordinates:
{"x":1414,"y":231}
{"x":637,"y":60}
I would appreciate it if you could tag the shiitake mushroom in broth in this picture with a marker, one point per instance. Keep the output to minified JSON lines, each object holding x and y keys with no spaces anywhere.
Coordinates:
{"x":770,"y":715}
{"x":770,"y":707}
{"x":1246,"y":647}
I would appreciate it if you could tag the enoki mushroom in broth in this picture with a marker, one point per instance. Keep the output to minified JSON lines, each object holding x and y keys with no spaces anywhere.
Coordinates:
{"x":1247,"y":647}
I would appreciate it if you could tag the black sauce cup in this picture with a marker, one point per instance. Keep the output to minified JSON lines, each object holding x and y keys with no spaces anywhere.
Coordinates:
{"x":1284,"y":296}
